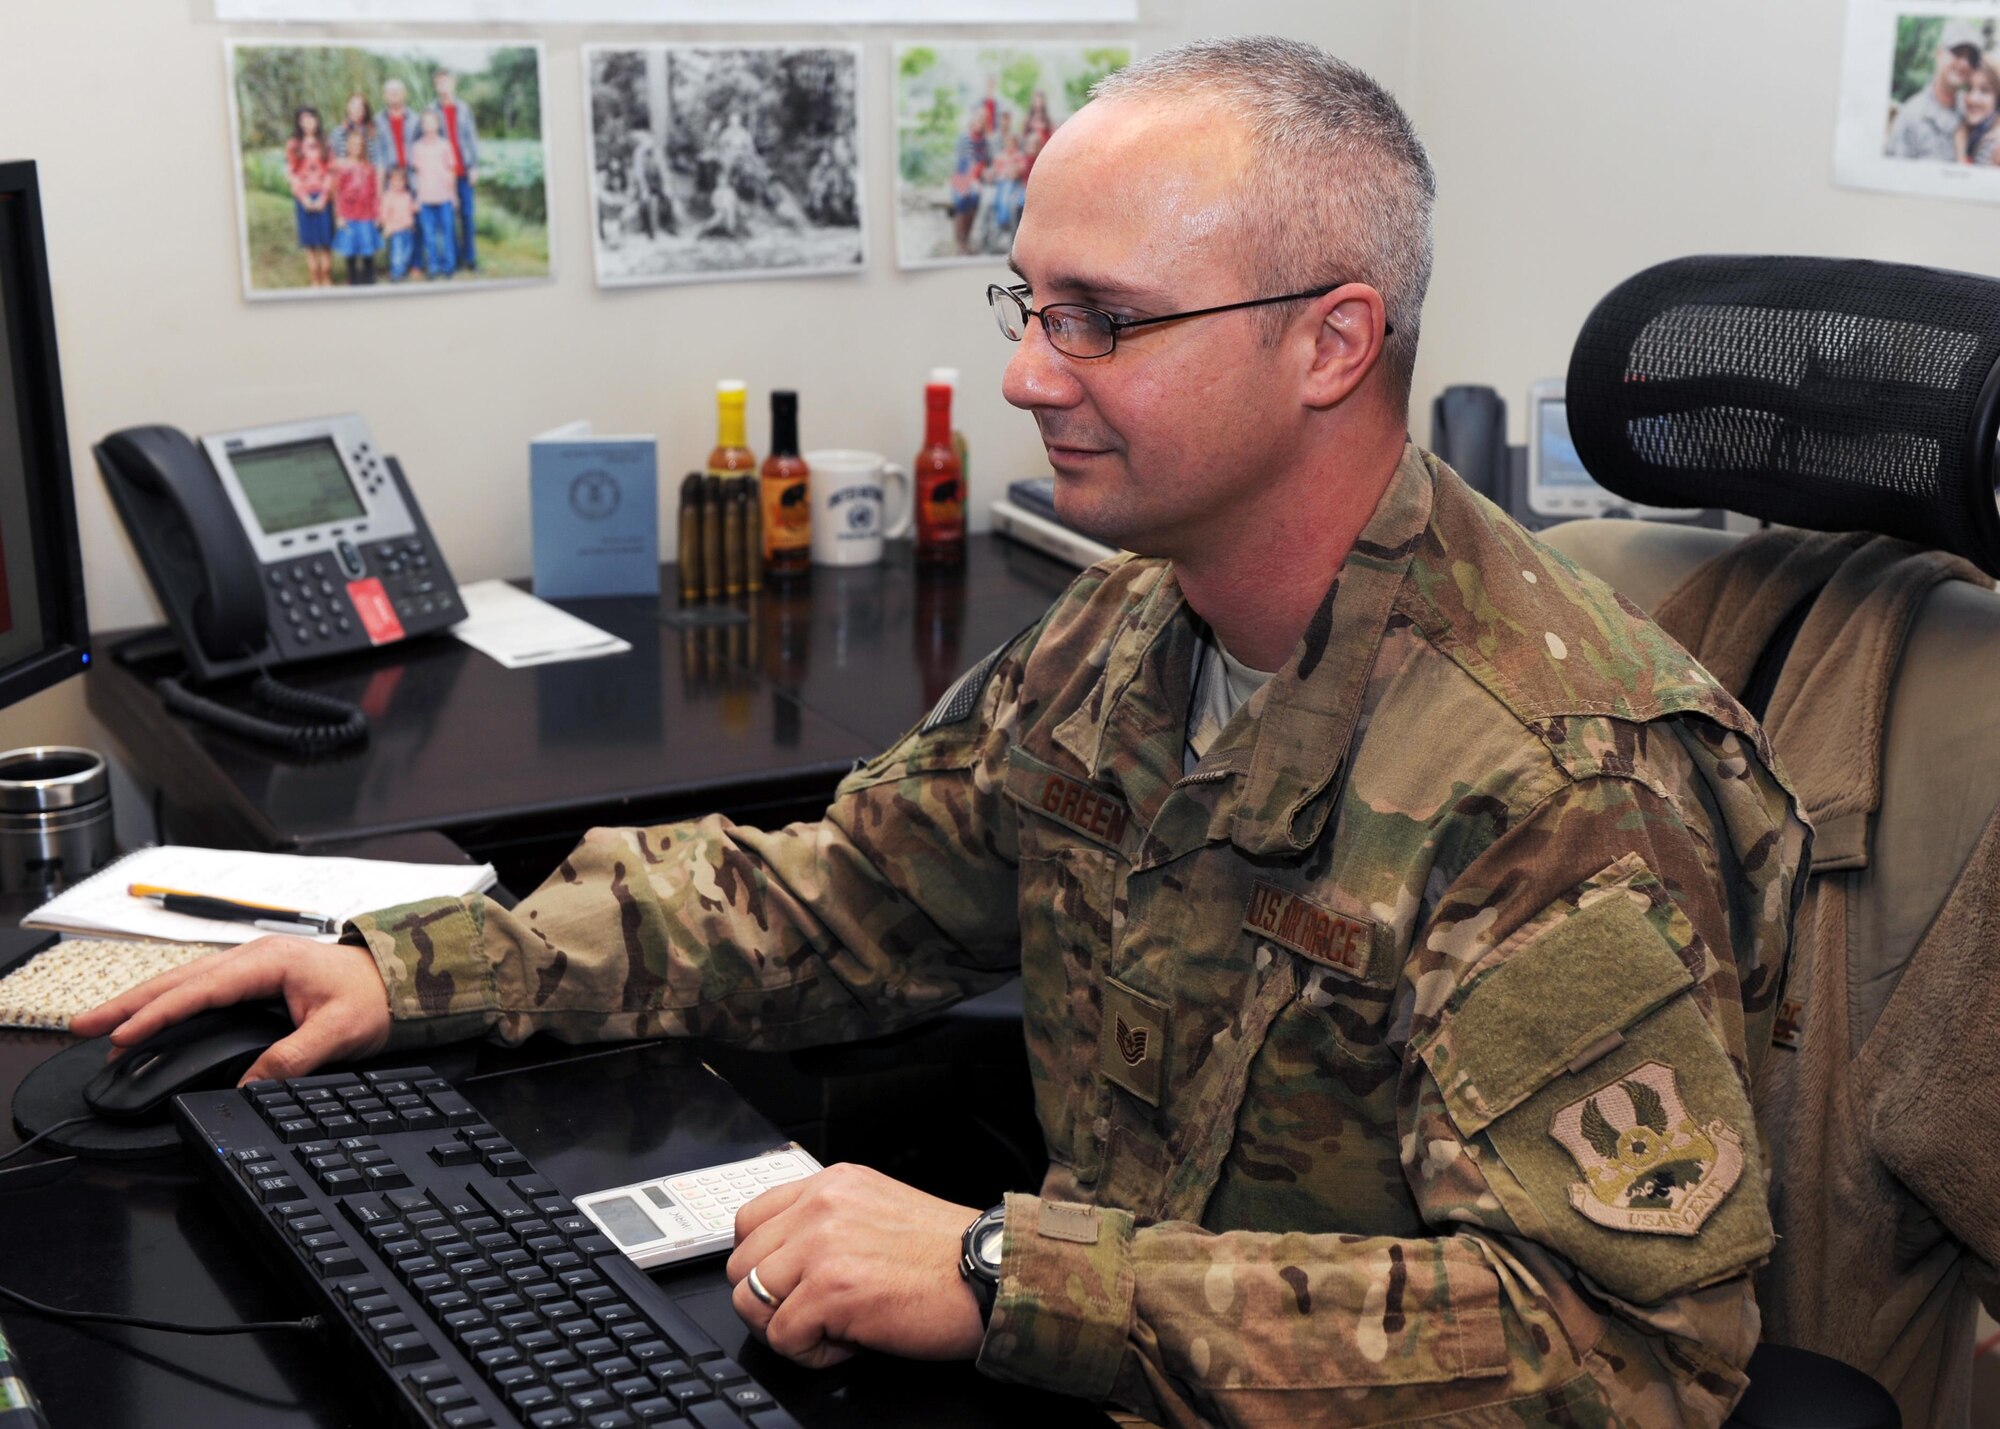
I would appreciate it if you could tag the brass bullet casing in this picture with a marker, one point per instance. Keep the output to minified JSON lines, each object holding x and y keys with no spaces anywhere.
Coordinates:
{"x":753,"y":531}
{"x":690,"y":538}
{"x":732,"y":537}
{"x":711,"y":538}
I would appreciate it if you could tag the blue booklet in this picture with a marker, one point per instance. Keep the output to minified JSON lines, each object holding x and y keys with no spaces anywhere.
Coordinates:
{"x":596,"y":508}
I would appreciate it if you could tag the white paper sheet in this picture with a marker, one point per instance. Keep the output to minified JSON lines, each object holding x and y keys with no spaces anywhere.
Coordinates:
{"x":331,"y":887}
{"x":514,"y":628}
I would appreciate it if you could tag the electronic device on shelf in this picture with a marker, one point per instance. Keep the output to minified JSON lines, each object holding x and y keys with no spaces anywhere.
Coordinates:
{"x":1559,"y":487}
{"x":467,"y":1288}
{"x":674,"y":1218}
{"x":274,"y":545}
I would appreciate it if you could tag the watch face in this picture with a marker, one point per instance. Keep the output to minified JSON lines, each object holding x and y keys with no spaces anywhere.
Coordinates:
{"x":986,"y":1245}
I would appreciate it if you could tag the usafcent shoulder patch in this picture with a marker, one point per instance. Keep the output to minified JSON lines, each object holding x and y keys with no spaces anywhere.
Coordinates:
{"x":1646,"y":1165}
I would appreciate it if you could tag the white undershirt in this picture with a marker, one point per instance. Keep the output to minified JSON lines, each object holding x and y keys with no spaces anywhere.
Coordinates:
{"x":1222,"y":686}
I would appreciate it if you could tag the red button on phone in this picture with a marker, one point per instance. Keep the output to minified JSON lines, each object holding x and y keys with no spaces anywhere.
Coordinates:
{"x":378,"y":616}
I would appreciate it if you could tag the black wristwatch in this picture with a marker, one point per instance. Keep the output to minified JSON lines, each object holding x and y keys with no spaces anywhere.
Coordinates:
{"x":979,"y":1257}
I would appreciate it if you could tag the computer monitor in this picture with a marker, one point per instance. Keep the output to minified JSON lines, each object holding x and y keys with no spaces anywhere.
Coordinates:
{"x":44,"y":635}
{"x":1559,"y":486}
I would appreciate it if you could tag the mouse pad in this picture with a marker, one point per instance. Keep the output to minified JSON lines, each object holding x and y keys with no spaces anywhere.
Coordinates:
{"x":53,"y":1092}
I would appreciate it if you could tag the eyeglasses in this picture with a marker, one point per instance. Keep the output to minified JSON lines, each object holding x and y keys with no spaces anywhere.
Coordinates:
{"x":1081,"y":331}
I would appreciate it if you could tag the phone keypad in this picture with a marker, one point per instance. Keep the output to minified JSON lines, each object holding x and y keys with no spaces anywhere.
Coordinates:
{"x":414,"y":581}
{"x":311,"y":611}
{"x":308,"y":611}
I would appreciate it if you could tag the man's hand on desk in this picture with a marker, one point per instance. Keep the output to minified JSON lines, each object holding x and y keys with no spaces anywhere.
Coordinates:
{"x":855,"y":1261}
{"x":332,"y":990}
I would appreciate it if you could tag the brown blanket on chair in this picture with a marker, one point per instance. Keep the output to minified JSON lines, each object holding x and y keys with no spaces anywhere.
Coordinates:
{"x":1884,"y":1114}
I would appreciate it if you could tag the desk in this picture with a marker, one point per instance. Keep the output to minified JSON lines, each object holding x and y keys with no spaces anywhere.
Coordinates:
{"x":147,"y":1238}
{"x":757,"y":720}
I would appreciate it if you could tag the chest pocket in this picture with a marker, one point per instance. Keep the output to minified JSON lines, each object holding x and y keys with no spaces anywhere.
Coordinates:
{"x":1073,"y":840}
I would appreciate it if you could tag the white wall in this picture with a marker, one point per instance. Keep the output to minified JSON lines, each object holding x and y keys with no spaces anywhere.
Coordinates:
{"x":1575,"y":143}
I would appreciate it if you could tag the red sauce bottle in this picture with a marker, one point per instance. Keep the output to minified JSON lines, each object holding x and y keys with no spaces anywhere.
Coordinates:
{"x":940,"y":485}
{"x":787,"y":510}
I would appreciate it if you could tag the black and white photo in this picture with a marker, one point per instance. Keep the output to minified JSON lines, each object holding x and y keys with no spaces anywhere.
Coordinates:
{"x":724,"y":161}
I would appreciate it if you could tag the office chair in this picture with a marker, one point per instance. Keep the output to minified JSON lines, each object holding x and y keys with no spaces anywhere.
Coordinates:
{"x":1839,"y":396}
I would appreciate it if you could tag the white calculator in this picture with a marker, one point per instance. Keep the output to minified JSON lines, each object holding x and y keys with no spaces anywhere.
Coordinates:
{"x":694,"y":1213}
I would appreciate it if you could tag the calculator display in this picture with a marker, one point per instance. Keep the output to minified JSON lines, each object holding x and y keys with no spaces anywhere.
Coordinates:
{"x":622,"y":1216}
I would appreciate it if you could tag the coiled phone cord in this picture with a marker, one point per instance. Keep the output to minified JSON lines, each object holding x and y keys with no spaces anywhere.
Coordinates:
{"x":344,"y":723}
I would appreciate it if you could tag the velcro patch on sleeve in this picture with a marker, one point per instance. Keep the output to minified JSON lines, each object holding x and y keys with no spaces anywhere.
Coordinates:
{"x":1068,"y":1220}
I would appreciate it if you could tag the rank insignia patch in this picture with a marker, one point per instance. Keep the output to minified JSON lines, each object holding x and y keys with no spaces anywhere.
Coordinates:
{"x":1133,"y":1045}
{"x":1646,"y":1165}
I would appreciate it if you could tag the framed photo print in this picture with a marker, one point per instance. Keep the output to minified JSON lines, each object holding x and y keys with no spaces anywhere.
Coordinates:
{"x":724,"y":161}
{"x":970,"y":120}
{"x":367,"y":168}
{"x":1920,"y":98}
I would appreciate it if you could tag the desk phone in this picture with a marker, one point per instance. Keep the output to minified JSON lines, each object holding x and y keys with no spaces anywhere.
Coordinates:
{"x":276,"y":544}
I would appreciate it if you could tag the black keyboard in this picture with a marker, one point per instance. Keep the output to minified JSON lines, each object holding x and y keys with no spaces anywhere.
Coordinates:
{"x":475,"y":1290}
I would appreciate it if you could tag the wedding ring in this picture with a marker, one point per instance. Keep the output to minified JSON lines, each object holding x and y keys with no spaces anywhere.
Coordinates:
{"x":757,"y":1289}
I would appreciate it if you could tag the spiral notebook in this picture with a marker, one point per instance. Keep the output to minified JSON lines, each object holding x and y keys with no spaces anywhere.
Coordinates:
{"x":337,"y":888}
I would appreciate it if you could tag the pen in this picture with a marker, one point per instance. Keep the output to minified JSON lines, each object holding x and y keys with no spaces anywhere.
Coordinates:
{"x":230,"y":910}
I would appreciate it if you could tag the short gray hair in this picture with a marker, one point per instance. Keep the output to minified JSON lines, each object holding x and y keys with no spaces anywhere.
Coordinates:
{"x":1342,"y":188}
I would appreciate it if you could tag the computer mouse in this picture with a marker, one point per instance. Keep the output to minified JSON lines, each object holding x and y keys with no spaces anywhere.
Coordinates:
{"x":206,"y":1052}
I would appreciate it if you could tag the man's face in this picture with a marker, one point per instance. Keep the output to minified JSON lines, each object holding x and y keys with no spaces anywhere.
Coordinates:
{"x":393,"y":94}
{"x":446,"y":87}
{"x":1956,"y":66}
{"x":1129,"y":210}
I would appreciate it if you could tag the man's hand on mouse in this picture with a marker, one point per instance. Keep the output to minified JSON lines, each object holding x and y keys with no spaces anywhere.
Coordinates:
{"x":855,"y":1260}
{"x":332,"y":990}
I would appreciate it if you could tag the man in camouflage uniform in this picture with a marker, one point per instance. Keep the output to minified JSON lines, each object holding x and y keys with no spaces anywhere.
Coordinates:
{"x":1390,"y":1028}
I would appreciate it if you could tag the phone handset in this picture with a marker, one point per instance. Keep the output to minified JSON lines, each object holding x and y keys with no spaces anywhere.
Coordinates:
{"x":194,"y":549}
{"x":211,"y":585}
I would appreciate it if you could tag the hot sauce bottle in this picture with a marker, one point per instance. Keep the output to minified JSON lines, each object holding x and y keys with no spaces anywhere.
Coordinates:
{"x":787,"y":510}
{"x":940,"y":485}
{"x":949,"y":377}
{"x":732,"y":462}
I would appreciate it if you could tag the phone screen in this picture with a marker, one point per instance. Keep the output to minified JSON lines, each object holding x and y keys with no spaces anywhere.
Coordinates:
{"x":297,"y":484}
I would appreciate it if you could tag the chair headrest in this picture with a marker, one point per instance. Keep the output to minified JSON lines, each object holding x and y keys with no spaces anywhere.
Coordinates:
{"x":1833,"y":394}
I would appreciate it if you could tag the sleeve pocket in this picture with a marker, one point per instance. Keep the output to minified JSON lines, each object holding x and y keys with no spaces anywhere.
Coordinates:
{"x":1623,"y":1135}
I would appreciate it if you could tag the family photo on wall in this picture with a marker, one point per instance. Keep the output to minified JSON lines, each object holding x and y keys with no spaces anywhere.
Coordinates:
{"x":1944,"y":91}
{"x":372,"y":168}
{"x":1920,"y":99}
{"x":970,"y":121}
{"x":724,"y":161}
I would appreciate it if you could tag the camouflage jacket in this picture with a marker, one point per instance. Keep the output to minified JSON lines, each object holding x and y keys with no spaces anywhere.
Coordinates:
{"x":1392,"y":1063}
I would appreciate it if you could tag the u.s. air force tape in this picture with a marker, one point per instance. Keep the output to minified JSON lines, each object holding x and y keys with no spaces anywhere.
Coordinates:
{"x":963,"y":697}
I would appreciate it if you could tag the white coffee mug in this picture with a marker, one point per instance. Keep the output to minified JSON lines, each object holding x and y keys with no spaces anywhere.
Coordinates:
{"x":849,"y":515}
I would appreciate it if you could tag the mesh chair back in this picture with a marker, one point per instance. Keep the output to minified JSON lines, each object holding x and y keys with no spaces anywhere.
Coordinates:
{"x":1833,"y":394}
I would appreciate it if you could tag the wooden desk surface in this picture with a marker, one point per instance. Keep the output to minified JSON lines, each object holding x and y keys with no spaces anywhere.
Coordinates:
{"x":757,"y":720}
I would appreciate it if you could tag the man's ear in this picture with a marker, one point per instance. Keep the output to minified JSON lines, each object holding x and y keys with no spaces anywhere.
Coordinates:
{"x":1350,"y":325}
